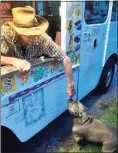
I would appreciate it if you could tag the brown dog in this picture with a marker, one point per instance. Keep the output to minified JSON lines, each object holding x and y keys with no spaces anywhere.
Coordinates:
{"x":89,"y":128}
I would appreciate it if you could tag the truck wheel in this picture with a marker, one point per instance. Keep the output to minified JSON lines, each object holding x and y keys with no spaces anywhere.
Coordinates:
{"x":9,"y":142}
{"x":106,"y":77}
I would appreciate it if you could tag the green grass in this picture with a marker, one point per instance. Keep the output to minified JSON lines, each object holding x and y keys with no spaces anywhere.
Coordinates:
{"x":110,"y":116}
{"x":86,"y":149}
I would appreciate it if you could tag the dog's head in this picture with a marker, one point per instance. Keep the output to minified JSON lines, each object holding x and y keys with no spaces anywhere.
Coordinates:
{"x":76,"y":108}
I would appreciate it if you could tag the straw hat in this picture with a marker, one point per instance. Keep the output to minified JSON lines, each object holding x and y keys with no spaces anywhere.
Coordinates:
{"x":25,"y":21}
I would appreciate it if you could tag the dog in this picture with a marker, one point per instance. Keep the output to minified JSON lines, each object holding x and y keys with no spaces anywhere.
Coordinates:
{"x":88,"y":128}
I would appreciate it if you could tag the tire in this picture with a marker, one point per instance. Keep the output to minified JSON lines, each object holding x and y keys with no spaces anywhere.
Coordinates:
{"x":106,"y":77}
{"x":9,"y":142}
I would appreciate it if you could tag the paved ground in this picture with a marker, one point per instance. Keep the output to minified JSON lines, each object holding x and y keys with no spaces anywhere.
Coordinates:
{"x":59,"y":131}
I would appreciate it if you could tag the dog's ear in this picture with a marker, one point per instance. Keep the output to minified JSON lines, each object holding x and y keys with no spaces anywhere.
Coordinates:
{"x":82,"y":107}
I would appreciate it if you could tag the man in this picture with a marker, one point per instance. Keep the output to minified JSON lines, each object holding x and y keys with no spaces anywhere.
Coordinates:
{"x":24,"y":36}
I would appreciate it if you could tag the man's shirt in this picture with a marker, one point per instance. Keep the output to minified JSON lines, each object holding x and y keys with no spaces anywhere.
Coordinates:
{"x":42,"y":46}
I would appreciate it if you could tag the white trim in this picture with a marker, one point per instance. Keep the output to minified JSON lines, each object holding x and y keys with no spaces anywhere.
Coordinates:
{"x":107,"y":32}
{"x":63,"y":25}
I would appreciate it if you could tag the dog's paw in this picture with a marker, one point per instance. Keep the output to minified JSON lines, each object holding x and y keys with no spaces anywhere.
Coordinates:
{"x":80,"y":147}
{"x":77,"y":138}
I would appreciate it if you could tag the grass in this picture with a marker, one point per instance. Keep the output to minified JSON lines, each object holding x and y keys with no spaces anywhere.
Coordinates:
{"x":110,"y":116}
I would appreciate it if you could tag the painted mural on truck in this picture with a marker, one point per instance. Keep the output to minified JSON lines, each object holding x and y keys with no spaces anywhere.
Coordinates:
{"x":8,"y":84}
{"x":73,"y":31}
{"x":39,"y":74}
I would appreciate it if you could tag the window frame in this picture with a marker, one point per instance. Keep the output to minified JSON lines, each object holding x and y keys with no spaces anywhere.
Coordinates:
{"x":95,"y":21}
{"x":115,"y":4}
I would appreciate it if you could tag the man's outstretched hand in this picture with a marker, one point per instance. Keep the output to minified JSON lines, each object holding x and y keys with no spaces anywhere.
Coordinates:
{"x":71,"y":91}
{"x":22,"y":66}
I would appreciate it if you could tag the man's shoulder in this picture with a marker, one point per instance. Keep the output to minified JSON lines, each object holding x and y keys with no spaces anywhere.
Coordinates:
{"x":7,"y":31}
{"x":6,"y":28}
{"x":44,"y":36}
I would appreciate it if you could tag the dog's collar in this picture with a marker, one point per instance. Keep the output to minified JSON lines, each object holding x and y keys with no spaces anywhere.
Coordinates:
{"x":86,"y":119}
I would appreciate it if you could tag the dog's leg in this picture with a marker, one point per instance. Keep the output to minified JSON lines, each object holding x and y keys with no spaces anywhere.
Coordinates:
{"x":76,"y":135}
{"x":80,"y":130}
{"x":77,"y":139}
{"x":108,"y":146}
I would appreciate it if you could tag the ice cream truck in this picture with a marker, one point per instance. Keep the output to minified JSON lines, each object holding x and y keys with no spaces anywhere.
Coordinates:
{"x":87,"y":31}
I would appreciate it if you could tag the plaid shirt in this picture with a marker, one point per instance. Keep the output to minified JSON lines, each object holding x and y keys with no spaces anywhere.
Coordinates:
{"x":42,"y":46}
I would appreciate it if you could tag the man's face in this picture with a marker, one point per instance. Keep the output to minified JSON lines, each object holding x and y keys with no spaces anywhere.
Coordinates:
{"x":26,"y":40}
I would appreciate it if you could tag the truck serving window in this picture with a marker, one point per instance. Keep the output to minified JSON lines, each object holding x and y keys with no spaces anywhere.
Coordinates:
{"x":96,"y":11}
{"x":50,"y":11}
{"x":114,"y":16}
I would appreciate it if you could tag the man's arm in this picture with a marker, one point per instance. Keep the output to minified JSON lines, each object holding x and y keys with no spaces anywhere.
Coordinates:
{"x":8,"y":34}
{"x":7,"y":60}
{"x":68,"y":70}
{"x":51,"y":49}
{"x":19,"y":64}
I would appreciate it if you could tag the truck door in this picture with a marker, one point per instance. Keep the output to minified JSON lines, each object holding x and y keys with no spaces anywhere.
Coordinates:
{"x":93,"y":38}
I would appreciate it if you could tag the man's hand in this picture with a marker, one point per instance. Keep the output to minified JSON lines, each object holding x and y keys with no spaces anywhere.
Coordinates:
{"x":68,"y":70}
{"x":21,"y":65}
{"x":71,"y":91}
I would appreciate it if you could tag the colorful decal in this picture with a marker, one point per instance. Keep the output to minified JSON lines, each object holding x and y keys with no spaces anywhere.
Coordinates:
{"x":24,"y":78}
{"x":70,"y":26}
{"x":37,"y":74}
{"x":8,"y":84}
{"x":74,"y":57}
{"x":71,"y":10}
{"x":33,"y":107}
{"x":1,"y":94}
{"x":13,"y":108}
{"x":77,"y":39}
{"x":77,"y":11}
{"x":74,"y":16}
{"x":78,"y":25}
{"x":54,"y":65}
{"x":36,"y":87}
{"x":46,"y":69}
{"x":70,"y":44}
{"x":57,"y":67}
{"x":77,"y":48}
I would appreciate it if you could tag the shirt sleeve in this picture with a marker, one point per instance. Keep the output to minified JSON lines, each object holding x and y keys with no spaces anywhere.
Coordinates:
{"x":4,"y":43}
{"x":4,"y":47}
{"x":51,"y":49}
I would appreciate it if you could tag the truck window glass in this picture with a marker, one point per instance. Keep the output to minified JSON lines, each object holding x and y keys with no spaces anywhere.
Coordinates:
{"x":96,"y":11}
{"x":114,"y":16}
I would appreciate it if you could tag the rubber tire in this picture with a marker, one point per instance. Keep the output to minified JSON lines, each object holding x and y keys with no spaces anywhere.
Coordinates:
{"x":9,"y":142}
{"x":102,"y":88}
